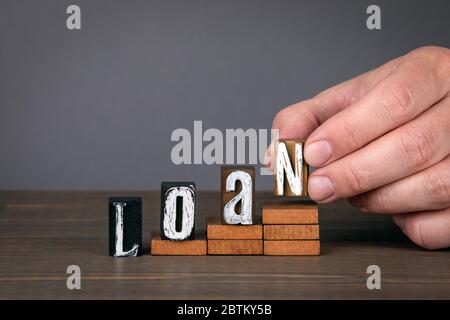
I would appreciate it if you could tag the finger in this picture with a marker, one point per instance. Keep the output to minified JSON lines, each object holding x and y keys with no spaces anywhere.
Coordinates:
{"x":426,"y":190}
{"x":429,"y":229}
{"x":411,"y":148}
{"x":402,"y":96}
{"x":299,"y":120}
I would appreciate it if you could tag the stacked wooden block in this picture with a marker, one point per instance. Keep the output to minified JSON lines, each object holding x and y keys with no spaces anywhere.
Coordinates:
{"x":291,"y":228}
{"x":234,"y":239}
{"x":167,"y":247}
{"x":288,"y":227}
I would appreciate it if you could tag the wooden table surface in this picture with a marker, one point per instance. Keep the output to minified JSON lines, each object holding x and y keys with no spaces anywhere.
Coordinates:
{"x":41,"y":233}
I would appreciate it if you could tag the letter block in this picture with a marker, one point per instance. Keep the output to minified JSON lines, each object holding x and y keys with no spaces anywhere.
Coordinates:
{"x":291,"y":171}
{"x":125,"y":226}
{"x":238,"y":195}
{"x":177,"y":210}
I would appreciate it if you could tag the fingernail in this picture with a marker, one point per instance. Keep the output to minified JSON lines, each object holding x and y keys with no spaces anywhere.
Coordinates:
{"x":317,"y":153}
{"x":399,"y":221}
{"x":320,"y":188}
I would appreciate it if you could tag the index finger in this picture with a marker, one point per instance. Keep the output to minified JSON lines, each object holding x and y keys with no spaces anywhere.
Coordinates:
{"x":299,"y":120}
{"x":403,"y":95}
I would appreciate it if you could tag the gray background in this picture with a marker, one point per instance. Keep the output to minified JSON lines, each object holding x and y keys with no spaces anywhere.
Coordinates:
{"x":94,"y":109}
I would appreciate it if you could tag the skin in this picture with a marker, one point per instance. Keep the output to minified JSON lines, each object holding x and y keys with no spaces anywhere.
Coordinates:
{"x":382,"y":140}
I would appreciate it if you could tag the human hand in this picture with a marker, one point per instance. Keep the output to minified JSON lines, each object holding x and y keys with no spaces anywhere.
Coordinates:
{"x":382,"y":140}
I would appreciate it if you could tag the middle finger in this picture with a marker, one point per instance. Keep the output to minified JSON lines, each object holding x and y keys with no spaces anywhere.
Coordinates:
{"x":404,"y":151}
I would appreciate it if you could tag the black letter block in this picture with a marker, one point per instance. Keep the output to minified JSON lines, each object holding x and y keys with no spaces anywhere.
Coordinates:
{"x":125,"y":226}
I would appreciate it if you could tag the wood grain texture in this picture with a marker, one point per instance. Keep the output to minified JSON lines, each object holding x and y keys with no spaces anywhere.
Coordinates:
{"x":160,"y":247}
{"x":226,"y":196}
{"x":291,"y":247}
{"x":216,"y":230}
{"x":290,"y":212}
{"x":235,"y":247}
{"x":43,"y":232}
{"x":290,"y":146}
{"x":291,"y":232}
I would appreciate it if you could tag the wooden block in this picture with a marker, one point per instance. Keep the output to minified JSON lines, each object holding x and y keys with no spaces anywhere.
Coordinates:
{"x":238,"y":195}
{"x":216,"y":230}
{"x":235,"y":247}
{"x":177,"y":211}
{"x":291,"y":247}
{"x":125,"y":226}
{"x":290,"y":213}
{"x":291,"y":232}
{"x":160,"y":247}
{"x":291,"y":170}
